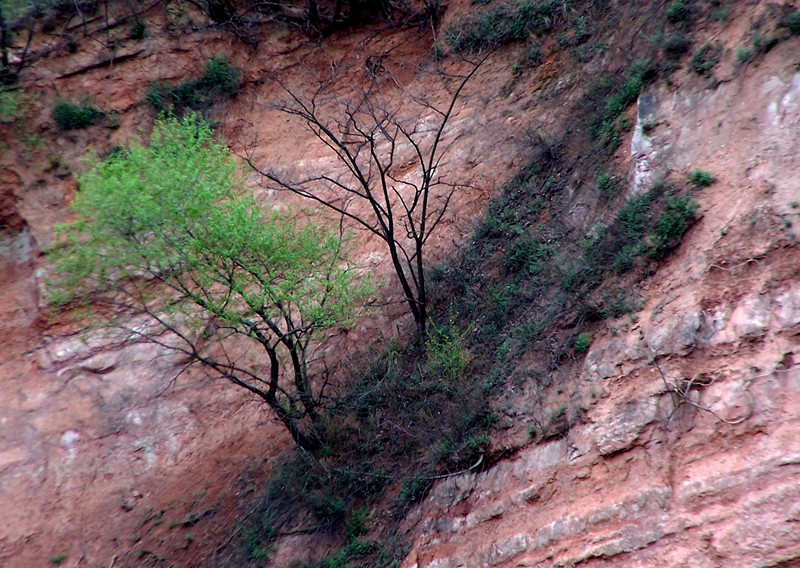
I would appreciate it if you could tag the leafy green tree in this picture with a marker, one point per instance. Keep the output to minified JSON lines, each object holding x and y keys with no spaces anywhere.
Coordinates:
{"x":166,"y":232}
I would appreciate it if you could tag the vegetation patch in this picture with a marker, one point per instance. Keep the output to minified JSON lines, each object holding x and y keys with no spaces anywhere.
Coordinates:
{"x":706,"y":58}
{"x":701,"y":178}
{"x":219,"y":81}
{"x":72,"y":116}
{"x":612,"y":96}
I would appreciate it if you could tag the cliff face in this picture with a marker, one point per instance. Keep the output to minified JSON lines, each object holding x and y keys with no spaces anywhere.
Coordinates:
{"x":688,"y":453}
{"x":686,"y":450}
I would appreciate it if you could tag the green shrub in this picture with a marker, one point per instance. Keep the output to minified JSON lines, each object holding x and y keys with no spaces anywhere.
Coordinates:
{"x":219,"y":77}
{"x":680,"y":11}
{"x":675,"y":45}
{"x":138,"y":29}
{"x":447,"y":358}
{"x":743,"y":55}
{"x":499,"y":25}
{"x":583,"y":342}
{"x":701,"y":178}
{"x":672,"y":224}
{"x":218,"y":80}
{"x":604,"y":124}
{"x":706,"y":58}
{"x":9,"y":105}
{"x":608,"y":185}
{"x":71,"y":116}
{"x":633,"y":218}
{"x":527,"y":253}
{"x":792,"y":22}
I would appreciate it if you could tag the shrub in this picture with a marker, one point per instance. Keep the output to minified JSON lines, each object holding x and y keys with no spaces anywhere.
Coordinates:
{"x":675,"y":45}
{"x":633,"y":218}
{"x":71,"y":116}
{"x":605,"y":125}
{"x":608,"y":185}
{"x":792,"y":22}
{"x":219,"y":77}
{"x":701,"y":178}
{"x":9,"y":105}
{"x":499,"y":25}
{"x":680,"y":11}
{"x":527,"y":253}
{"x":706,"y":58}
{"x":743,"y":54}
{"x":583,"y":342}
{"x":672,"y":224}
{"x":138,"y":29}
{"x":219,"y":80}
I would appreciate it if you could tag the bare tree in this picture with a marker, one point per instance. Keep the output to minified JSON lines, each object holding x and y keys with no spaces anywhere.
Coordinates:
{"x":393,"y":182}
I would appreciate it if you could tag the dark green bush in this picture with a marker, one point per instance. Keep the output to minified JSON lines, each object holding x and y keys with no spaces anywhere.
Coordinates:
{"x":608,"y":185}
{"x":792,"y":22}
{"x":680,"y":11}
{"x":672,"y":224}
{"x":527,"y":253}
{"x":633,"y":218}
{"x":499,"y":25}
{"x":675,"y":45}
{"x":701,"y":178}
{"x":138,"y":29}
{"x":219,"y":77}
{"x":583,"y":342}
{"x":72,"y":116}
{"x":604,"y":125}
{"x":218,"y":80}
{"x":706,"y":58}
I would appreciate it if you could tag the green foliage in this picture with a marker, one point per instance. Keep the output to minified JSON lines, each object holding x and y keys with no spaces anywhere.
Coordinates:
{"x":675,"y":45}
{"x":9,"y":105}
{"x":138,"y":29}
{"x":219,"y":77}
{"x":615,"y":98}
{"x":58,"y":559}
{"x":633,"y":218}
{"x":792,"y":22}
{"x":498,"y":25}
{"x":166,"y":231}
{"x":743,"y":54}
{"x":528,"y":254}
{"x":219,"y":80}
{"x":71,"y":116}
{"x":583,"y":342}
{"x":701,"y":178}
{"x":680,"y":11}
{"x":672,"y":224}
{"x":608,"y":185}
{"x":357,"y":523}
{"x":706,"y":58}
{"x":446,"y":357}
